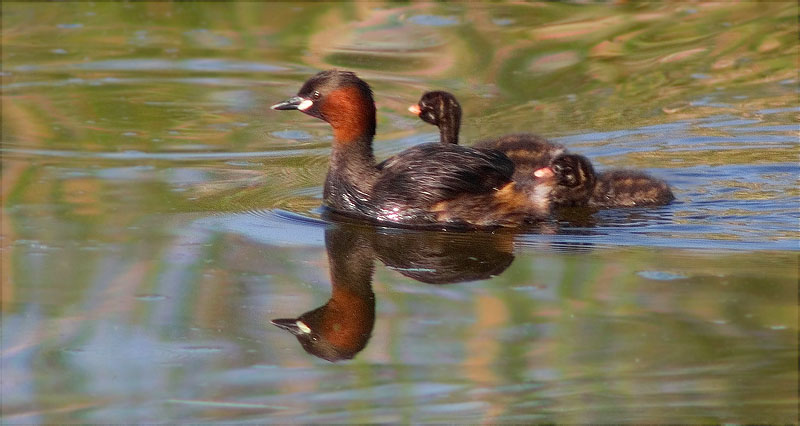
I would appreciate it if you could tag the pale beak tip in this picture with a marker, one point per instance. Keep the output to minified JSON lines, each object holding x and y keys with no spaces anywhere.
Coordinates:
{"x":544,"y":172}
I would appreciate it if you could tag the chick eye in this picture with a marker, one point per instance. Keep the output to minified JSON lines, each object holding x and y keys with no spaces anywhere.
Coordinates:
{"x":316,"y":94}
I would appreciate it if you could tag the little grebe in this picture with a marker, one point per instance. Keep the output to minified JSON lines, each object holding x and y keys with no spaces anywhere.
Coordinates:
{"x":439,"y":184}
{"x":579,"y":185}
{"x":341,"y":327}
{"x":528,"y":151}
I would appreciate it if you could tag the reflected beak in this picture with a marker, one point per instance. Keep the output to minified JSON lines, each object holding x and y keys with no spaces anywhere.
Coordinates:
{"x":288,"y":324}
{"x":295,"y":102}
{"x":292,"y":325}
{"x":544,"y":172}
{"x":414,"y":109}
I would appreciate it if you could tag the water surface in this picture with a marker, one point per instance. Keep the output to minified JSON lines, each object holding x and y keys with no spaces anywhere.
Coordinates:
{"x":157,"y":216}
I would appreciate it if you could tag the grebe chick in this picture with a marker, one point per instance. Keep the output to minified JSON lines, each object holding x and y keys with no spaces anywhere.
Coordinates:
{"x":528,"y":151}
{"x":629,"y":188}
{"x":575,"y":179}
{"x":441,"y":109}
{"x":579,"y":185}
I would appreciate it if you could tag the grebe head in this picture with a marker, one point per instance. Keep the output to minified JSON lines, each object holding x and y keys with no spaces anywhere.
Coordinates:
{"x":340,"y":98}
{"x":443,"y":111}
{"x":574,"y":178}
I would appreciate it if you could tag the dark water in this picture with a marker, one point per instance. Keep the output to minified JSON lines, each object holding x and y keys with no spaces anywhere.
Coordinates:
{"x":157,"y":216}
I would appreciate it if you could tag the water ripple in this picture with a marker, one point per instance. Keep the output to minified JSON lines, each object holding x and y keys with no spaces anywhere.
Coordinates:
{"x":171,"y":156}
{"x":141,"y":64}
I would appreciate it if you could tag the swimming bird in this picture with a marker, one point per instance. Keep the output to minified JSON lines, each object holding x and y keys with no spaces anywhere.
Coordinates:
{"x":428,"y":184}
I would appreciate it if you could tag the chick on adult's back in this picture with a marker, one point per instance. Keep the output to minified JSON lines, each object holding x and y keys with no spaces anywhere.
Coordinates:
{"x":529,"y":152}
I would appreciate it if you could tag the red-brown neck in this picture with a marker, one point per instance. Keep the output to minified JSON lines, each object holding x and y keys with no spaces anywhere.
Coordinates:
{"x":350,"y":312}
{"x":352,"y":116}
{"x":352,"y":168}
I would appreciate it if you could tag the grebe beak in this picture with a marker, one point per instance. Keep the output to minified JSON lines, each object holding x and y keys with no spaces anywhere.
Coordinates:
{"x":414,"y":109}
{"x":296,"y":102}
{"x":544,"y":172}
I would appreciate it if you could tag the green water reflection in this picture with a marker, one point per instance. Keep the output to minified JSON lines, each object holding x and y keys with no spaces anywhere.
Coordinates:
{"x":156,"y":216}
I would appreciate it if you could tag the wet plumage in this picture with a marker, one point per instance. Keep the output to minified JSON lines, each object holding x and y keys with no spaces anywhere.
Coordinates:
{"x":629,"y":188}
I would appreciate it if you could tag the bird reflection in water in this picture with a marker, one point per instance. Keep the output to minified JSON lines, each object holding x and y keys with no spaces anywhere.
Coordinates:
{"x":341,"y":328}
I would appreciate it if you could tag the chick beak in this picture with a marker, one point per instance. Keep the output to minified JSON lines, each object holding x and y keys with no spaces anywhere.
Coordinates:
{"x":544,"y":173}
{"x":415,"y":109}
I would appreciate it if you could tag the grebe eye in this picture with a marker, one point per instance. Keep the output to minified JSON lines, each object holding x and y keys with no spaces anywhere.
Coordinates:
{"x":316,"y":94}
